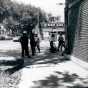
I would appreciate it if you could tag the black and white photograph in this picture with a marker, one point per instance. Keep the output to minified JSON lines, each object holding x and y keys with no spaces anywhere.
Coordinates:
{"x":43,"y":43}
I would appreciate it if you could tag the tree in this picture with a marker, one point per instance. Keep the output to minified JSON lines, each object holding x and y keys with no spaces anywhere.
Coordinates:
{"x":19,"y":17}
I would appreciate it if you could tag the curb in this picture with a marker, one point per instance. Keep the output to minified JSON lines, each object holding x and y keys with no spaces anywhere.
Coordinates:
{"x":79,"y":62}
{"x":10,"y":61}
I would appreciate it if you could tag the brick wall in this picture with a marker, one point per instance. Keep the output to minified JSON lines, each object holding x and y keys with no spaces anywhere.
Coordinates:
{"x":71,"y":17}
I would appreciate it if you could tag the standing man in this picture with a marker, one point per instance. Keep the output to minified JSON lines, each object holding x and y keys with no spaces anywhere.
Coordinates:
{"x":32,"y":43}
{"x":52,"y":43}
{"x":24,"y":44}
{"x":61,"y":42}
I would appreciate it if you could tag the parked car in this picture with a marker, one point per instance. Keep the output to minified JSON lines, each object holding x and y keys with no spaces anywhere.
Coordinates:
{"x":16,"y":39}
{"x":2,"y":37}
{"x":5,"y":37}
{"x":8,"y":38}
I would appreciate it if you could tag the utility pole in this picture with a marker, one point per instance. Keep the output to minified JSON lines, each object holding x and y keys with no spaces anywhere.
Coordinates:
{"x":39,"y":26}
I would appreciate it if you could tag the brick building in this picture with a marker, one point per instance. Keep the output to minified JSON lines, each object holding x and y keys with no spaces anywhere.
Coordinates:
{"x":76,"y":20}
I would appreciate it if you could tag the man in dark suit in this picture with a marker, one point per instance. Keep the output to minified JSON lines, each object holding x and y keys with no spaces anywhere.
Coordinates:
{"x":24,"y":44}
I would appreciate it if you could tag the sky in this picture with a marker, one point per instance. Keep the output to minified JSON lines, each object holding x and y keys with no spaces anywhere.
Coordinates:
{"x":49,"y":6}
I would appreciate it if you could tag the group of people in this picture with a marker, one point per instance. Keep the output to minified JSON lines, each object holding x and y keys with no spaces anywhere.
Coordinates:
{"x":61,"y":43}
{"x":34,"y":43}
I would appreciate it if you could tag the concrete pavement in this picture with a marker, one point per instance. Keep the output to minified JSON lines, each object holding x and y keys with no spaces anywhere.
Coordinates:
{"x":62,"y":75}
{"x":46,"y":70}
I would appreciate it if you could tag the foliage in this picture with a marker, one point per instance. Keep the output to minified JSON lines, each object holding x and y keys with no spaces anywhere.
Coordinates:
{"x":19,"y":17}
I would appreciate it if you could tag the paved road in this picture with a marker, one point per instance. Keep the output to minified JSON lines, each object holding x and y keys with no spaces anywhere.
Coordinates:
{"x":10,"y":48}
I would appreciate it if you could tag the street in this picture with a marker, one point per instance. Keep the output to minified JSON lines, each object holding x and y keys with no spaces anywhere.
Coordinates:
{"x":44,"y":70}
{"x":9,"y":47}
{"x":58,"y":29}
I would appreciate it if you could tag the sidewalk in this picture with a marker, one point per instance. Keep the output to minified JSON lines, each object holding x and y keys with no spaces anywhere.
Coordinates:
{"x":66,"y":74}
{"x":47,"y":70}
{"x":62,"y":75}
{"x":10,"y":53}
{"x":57,"y":73}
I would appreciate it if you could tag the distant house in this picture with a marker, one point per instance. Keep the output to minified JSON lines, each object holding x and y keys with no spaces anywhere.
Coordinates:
{"x":53,"y":27}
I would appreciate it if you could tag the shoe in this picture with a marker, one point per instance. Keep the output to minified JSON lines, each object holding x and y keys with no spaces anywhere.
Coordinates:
{"x":22,"y":56}
{"x":33,"y":54}
{"x":29,"y":56}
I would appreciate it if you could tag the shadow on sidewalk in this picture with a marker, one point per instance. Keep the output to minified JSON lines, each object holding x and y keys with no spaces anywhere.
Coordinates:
{"x":45,"y":58}
{"x":61,"y":80}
